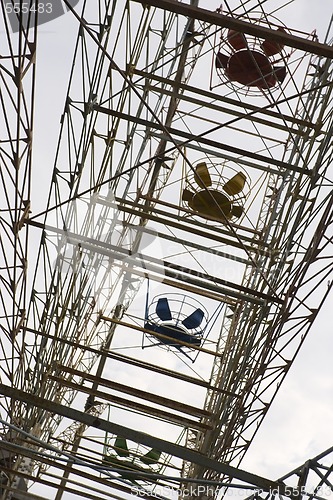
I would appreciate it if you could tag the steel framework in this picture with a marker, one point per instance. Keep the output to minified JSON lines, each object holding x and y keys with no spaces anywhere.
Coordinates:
{"x":79,"y":368}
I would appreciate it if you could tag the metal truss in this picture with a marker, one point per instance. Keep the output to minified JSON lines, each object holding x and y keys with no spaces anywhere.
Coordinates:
{"x":144,"y":107}
{"x":17,"y":91}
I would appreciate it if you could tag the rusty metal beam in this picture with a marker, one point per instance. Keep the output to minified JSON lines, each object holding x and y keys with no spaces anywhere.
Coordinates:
{"x":214,"y":18}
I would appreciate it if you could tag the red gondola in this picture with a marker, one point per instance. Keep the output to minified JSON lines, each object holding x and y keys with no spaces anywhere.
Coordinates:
{"x":272,"y":48}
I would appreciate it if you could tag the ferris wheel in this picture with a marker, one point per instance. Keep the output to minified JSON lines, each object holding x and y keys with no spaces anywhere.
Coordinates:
{"x":156,"y":293}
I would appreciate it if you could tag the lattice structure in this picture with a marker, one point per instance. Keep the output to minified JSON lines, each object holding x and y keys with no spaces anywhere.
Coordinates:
{"x":145,"y":119}
{"x":16,"y":108}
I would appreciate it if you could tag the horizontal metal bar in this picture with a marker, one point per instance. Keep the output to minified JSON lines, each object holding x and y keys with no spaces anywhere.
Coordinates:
{"x":159,"y":335}
{"x":138,"y":393}
{"x":193,"y":228}
{"x":278,"y":125}
{"x":183,"y":285}
{"x":217,"y":153}
{"x":163,"y":268}
{"x":200,"y":280}
{"x":192,"y":244}
{"x":133,"y":405}
{"x":224,"y":21}
{"x":187,"y":211}
{"x":122,"y":358}
{"x":240,"y":294}
{"x":53,"y":461}
{"x":149,"y":124}
{"x":140,"y":437}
